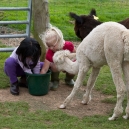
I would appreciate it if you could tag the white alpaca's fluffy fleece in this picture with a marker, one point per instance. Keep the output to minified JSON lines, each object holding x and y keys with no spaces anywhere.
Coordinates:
{"x":64,"y":61}
{"x":107,"y":44}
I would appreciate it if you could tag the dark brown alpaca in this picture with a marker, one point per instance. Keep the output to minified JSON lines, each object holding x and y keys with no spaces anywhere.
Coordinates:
{"x":84,"y":24}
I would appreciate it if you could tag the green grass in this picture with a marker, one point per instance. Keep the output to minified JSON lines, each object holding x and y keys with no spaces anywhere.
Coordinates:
{"x":17,"y":115}
{"x":14,"y":15}
{"x":107,"y":10}
{"x":104,"y":81}
{"x":4,"y":80}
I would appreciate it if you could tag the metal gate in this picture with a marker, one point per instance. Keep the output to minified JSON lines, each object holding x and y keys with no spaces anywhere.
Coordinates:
{"x":26,"y":21}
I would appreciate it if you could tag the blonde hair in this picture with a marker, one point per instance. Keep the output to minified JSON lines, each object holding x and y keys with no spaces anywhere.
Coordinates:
{"x":52,"y":34}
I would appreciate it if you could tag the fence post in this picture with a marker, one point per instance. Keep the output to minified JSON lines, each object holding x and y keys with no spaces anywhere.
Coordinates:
{"x":40,"y":21}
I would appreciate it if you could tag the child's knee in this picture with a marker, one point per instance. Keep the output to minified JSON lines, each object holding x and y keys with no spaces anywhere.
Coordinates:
{"x":10,"y":62}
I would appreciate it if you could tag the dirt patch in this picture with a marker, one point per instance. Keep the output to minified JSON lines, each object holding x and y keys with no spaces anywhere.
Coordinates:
{"x":53,"y":99}
{"x":13,"y":42}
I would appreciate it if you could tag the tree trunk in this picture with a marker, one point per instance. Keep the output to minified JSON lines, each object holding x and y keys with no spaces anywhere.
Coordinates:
{"x":40,"y":21}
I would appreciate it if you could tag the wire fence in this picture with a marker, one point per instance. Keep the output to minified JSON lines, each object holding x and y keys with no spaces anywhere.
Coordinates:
{"x":15,"y":22}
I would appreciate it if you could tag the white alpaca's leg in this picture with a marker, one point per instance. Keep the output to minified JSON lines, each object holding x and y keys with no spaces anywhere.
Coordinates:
{"x":82,"y":72}
{"x":115,"y":68}
{"x":126,"y":76}
{"x":90,"y":85}
{"x":127,"y":109}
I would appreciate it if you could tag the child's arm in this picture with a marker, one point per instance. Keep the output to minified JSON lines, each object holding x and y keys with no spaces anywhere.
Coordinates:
{"x":74,"y":50}
{"x":45,"y":67}
{"x":25,"y":69}
{"x":36,"y":69}
{"x":53,"y":67}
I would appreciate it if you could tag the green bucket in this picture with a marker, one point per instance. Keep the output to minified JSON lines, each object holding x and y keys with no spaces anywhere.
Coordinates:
{"x":38,"y":84}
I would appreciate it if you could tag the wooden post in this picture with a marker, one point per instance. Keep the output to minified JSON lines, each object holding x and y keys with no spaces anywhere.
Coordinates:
{"x":40,"y":21}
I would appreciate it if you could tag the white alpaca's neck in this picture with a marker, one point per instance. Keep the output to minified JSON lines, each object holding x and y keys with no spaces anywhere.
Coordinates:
{"x":70,"y":66}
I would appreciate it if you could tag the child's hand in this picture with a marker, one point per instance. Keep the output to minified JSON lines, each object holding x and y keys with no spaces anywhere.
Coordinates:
{"x":45,"y":67}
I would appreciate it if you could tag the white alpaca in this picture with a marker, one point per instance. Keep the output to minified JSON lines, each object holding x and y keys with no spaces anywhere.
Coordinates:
{"x":63,"y":60}
{"x":107,"y":44}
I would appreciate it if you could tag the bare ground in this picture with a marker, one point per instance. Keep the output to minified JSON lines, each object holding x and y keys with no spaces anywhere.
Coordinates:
{"x":53,"y":99}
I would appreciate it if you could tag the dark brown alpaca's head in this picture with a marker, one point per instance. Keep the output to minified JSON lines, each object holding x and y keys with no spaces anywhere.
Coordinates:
{"x":84,"y":23}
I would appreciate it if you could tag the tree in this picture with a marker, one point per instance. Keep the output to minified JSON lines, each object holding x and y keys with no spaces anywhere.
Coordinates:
{"x":40,"y":21}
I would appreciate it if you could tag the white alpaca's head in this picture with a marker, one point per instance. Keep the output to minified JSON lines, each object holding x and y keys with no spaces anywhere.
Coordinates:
{"x":64,"y":61}
{"x":59,"y":56}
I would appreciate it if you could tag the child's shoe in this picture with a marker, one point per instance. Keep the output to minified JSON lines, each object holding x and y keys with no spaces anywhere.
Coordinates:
{"x":69,"y":79}
{"x":69,"y":82}
{"x":14,"y":88}
{"x":54,"y":85}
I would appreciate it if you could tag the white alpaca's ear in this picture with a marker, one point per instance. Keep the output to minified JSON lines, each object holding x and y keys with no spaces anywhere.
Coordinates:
{"x":59,"y":57}
{"x":69,"y":54}
{"x":72,"y":56}
{"x":66,"y":52}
